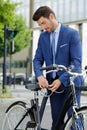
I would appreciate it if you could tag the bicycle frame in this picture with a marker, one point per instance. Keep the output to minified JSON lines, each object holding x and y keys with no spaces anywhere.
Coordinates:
{"x":70,"y":101}
{"x":33,"y":109}
{"x":39,"y":114}
{"x":36,"y":112}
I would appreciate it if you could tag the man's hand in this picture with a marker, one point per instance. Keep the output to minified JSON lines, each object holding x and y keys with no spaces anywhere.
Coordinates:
{"x":55,"y":85}
{"x":43,"y":82}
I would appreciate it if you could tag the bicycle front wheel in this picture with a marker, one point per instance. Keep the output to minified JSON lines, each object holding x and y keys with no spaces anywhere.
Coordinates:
{"x":80,"y":122}
{"x":13,"y":116}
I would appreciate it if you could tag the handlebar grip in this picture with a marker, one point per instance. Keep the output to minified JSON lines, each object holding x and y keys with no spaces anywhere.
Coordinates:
{"x":51,"y":67}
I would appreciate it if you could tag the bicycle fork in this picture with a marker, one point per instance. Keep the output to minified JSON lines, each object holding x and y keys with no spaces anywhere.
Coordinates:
{"x":77,"y":120}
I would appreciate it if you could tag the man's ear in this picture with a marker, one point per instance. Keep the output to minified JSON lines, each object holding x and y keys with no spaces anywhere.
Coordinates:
{"x":51,"y":16}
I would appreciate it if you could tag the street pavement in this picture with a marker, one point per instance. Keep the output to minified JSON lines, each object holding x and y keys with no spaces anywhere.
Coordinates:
{"x":20,"y":93}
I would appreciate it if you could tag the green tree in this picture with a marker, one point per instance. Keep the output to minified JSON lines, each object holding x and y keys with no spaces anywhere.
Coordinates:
{"x":23,"y":38}
{"x":17,"y":22}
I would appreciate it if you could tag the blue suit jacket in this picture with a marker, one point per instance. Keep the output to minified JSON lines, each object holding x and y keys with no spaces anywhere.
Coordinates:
{"x":68,"y":53}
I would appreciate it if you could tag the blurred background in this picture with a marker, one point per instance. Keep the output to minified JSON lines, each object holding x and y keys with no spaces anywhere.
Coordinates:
{"x":19,"y":50}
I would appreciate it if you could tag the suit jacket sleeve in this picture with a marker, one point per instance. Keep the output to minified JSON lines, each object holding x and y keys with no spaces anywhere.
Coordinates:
{"x":38,"y":60}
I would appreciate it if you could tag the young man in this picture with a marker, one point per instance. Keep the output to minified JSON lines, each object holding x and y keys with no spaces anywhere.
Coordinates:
{"x":68,"y":52}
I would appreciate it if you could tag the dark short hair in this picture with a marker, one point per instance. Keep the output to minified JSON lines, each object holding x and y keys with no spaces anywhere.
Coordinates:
{"x":42,"y":11}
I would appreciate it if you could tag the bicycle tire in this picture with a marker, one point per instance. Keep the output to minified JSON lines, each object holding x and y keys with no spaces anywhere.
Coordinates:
{"x":13,"y":115}
{"x":82,"y":112}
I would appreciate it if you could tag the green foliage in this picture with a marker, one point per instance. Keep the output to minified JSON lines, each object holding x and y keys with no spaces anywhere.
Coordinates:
{"x":7,"y":16}
{"x":16,"y":22}
{"x":23,"y":37}
{"x":5,"y":93}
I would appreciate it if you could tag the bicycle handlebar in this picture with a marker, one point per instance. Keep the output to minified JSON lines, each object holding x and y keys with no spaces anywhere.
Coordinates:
{"x":56,"y":68}
{"x":51,"y":67}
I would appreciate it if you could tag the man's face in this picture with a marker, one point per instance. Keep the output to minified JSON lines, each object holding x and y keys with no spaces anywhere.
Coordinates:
{"x":46,"y":23}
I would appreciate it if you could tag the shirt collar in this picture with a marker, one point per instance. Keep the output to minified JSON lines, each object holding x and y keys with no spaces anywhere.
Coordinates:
{"x":58,"y":28}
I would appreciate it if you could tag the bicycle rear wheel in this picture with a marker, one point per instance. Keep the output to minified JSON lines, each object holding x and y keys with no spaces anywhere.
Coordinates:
{"x":81,"y":121}
{"x":13,"y":116}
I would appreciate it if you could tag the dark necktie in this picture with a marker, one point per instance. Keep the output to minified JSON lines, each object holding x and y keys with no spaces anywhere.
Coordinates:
{"x":53,"y":50}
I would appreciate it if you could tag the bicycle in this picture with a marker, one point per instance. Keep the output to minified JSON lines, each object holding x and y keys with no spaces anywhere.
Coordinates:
{"x":30,"y":117}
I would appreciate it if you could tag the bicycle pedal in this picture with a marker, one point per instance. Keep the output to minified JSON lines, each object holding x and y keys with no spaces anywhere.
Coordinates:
{"x":31,"y":124}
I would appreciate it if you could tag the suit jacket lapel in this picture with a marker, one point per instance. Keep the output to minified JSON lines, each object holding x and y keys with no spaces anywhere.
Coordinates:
{"x":60,"y":39}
